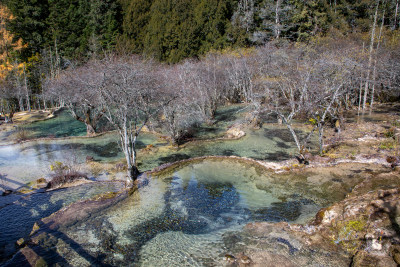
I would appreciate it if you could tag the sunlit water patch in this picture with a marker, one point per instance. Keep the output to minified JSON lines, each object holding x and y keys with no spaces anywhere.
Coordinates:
{"x":21,"y":163}
{"x":17,"y":219}
{"x":179,"y":219}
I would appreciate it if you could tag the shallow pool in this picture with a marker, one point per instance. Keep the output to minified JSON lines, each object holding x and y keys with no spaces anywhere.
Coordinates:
{"x":180,"y":218}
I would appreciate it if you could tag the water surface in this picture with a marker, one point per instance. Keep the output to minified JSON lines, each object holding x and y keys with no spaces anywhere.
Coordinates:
{"x":18,"y":218}
{"x":21,"y":163}
{"x":179,"y":218}
{"x":61,"y":125}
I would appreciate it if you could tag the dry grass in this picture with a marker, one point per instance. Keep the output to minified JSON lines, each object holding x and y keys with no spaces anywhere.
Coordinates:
{"x":27,"y":117}
{"x":61,"y":179}
{"x":21,"y":134}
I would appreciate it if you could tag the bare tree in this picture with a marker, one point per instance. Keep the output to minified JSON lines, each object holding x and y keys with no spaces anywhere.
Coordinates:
{"x":130,"y":95}
{"x":244,"y":15}
{"x":204,"y":82}
{"x":7,"y":108}
{"x":240,"y":78}
{"x":376,"y":60}
{"x":329,"y":82}
{"x":180,"y":115}
{"x":301,"y":84}
{"x":370,"y":55}
{"x":289,"y":97}
{"x":395,"y":15}
{"x":277,"y":19}
{"x":79,"y":90}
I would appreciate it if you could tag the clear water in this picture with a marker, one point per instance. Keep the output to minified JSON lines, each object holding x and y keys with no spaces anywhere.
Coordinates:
{"x":62,"y":125}
{"x":18,"y":218}
{"x":272,"y":143}
{"x":177,"y":219}
{"x":21,"y":163}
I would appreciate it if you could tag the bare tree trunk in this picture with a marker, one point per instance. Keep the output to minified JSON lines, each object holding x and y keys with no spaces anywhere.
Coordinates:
{"x":361,"y":85}
{"x":28,"y":102}
{"x":395,"y":15}
{"x":44,"y":101}
{"x":321,"y":137}
{"x":296,"y":140}
{"x":128,"y":144}
{"x":360,"y":95}
{"x":125,"y":148}
{"x":134,"y":171}
{"x":294,"y":135}
{"x":371,"y":50}
{"x":277,"y":19}
{"x":90,"y":131}
{"x":89,"y":123}
{"x":38,"y":102}
{"x":375,"y":61}
{"x":52,"y":75}
{"x":58,"y":60}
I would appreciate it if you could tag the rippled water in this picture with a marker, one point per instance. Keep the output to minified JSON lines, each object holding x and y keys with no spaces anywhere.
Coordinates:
{"x":178,"y":219}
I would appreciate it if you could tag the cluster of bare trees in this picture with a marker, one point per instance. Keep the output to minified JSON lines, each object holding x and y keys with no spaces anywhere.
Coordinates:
{"x":313,"y":83}
{"x":303,"y":84}
{"x":16,"y":87}
{"x":123,"y":90}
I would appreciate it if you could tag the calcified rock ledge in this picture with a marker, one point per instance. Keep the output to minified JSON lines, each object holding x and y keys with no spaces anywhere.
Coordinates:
{"x":358,"y":231}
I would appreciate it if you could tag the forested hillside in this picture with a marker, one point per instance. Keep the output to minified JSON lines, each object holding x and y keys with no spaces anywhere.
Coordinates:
{"x":43,"y":38}
{"x":173,"y":30}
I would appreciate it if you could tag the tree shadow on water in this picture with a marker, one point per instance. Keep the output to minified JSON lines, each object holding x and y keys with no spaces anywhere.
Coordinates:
{"x":17,"y":221}
{"x":4,"y":180}
{"x":48,"y":252}
{"x":173,"y":158}
{"x":51,"y":255}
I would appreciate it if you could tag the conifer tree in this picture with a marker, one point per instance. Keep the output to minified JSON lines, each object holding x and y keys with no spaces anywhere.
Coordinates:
{"x":29,"y":23}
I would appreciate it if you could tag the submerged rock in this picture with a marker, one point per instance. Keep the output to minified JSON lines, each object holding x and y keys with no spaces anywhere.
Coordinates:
{"x":395,"y":252}
{"x":364,"y":258}
{"x":7,"y":192}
